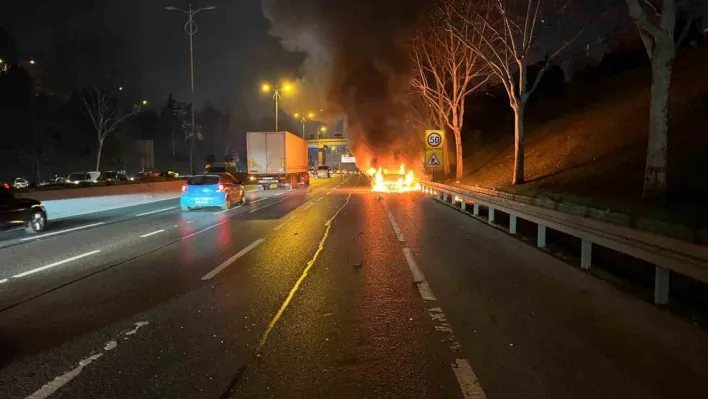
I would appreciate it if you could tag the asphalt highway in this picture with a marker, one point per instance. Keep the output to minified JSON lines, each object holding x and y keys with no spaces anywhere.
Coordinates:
{"x":322,"y":292}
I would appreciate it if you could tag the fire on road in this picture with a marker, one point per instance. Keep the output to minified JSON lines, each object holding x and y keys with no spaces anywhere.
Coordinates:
{"x":386,"y":181}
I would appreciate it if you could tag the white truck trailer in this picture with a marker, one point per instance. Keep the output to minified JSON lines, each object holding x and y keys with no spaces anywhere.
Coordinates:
{"x":277,"y":159}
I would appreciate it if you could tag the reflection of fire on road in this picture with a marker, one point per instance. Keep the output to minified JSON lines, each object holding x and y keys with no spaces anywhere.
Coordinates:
{"x":385,"y":181}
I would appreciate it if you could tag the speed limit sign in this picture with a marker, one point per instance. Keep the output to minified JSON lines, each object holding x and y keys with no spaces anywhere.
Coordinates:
{"x":434,"y":138}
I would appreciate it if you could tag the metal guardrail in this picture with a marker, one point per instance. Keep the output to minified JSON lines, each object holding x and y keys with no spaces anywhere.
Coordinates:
{"x":667,"y":254}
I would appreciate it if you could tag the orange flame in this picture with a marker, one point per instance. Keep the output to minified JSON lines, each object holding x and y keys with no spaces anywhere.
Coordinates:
{"x":402,"y":182}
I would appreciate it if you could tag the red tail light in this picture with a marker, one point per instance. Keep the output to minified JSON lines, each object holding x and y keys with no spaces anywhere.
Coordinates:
{"x":184,"y":189}
{"x":7,"y":186}
{"x":220,"y":188}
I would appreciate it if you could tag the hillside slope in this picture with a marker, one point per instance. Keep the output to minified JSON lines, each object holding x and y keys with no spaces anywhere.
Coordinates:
{"x":598,"y":150}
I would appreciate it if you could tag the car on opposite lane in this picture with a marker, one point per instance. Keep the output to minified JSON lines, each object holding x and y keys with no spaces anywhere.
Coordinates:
{"x":212,"y":190}
{"x":16,"y":212}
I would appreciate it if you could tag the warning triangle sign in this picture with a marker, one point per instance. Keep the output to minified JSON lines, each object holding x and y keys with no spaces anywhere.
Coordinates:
{"x":433,"y":160}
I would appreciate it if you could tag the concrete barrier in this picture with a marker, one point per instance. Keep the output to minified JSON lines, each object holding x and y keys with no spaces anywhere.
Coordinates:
{"x":79,"y":201}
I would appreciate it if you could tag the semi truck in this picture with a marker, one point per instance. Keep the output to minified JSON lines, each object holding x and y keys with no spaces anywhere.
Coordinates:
{"x":277,"y":159}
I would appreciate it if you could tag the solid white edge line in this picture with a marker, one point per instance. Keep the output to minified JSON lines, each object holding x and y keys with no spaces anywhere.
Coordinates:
{"x":425,"y":291}
{"x":152,"y":234}
{"x":471,"y":389}
{"x":61,"y":231}
{"x":61,"y":262}
{"x":3,"y":281}
{"x":232,"y":259}
{"x":157,"y":211}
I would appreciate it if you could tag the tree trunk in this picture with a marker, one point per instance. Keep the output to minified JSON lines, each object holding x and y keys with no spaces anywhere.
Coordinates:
{"x":458,"y":152}
{"x":98,"y":156}
{"x":655,"y":172}
{"x":446,"y":158}
{"x":519,"y":143}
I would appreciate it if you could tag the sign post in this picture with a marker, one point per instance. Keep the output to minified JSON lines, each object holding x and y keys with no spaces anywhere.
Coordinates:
{"x":434,"y":154}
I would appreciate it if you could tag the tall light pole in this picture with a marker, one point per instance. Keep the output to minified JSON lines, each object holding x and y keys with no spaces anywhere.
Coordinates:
{"x":276,"y":90}
{"x":33,"y":125}
{"x":303,"y":119}
{"x":191,"y":28}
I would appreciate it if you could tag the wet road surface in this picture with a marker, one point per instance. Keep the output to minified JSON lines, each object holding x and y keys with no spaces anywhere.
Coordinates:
{"x":321,"y":292}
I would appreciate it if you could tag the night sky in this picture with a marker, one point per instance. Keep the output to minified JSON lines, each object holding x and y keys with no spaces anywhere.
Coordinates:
{"x":233,"y":50}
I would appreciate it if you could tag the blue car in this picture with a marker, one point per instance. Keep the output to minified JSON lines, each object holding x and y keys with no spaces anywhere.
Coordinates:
{"x":212,"y":190}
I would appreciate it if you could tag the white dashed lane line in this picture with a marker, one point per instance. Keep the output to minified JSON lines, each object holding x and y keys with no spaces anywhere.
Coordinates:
{"x":54,"y":385}
{"x":280,"y":226}
{"x":425,"y":291}
{"x":466,"y":378}
{"x":153,"y":233}
{"x":55,"y":264}
{"x":231,"y":260}
{"x":157,"y":211}
{"x":62,"y":231}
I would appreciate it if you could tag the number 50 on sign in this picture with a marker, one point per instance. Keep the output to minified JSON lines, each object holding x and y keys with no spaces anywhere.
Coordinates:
{"x":434,"y":139}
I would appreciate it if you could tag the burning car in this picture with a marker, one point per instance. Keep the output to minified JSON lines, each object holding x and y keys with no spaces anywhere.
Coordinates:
{"x":393,"y":181}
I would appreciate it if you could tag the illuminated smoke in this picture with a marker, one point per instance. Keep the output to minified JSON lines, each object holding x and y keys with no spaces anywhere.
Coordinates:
{"x":357,"y":64}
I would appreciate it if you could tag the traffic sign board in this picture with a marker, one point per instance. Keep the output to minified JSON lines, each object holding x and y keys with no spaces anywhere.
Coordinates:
{"x":434,"y":139}
{"x":434,"y":158}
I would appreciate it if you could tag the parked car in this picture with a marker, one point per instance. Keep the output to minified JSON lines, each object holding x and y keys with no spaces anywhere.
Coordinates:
{"x":114,"y":176}
{"x":83,"y":177}
{"x":212,"y":190}
{"x":54,"y":181}
{"x":324,"y":172}
{"x":20,"y":183}
{"x":16,"y":212}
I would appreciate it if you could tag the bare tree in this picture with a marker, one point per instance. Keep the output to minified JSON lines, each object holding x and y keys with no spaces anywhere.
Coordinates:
{"x":105,"y":111}
{"x":505,"y":36}
{"x":446,"y":70}
{"x":656,"y":20}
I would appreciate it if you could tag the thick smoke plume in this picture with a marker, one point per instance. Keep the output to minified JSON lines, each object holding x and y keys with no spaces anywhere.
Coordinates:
{"x":358,"y":64}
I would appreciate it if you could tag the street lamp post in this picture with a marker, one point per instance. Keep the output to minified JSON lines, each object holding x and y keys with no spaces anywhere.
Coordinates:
{"x":277,"y":89}
{"x":303,"y":119}
{"x":33,"y":124}
{"x":190,"y":28}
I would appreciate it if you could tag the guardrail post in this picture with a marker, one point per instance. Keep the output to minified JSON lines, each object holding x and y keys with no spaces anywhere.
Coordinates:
{"x":512,"y":224}
{"x":491,"y":214}
{"x":662,"y":279}
{"x":475,"y":209}
{"x":541,"y":240}
{"x":585,"y":254}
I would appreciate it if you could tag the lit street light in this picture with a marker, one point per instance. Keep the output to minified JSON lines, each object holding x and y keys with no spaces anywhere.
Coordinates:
{"x":321,"y":131}
{"x":267,"y":88}
{"x":190,"y":28}
{"x":303,"y":119}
